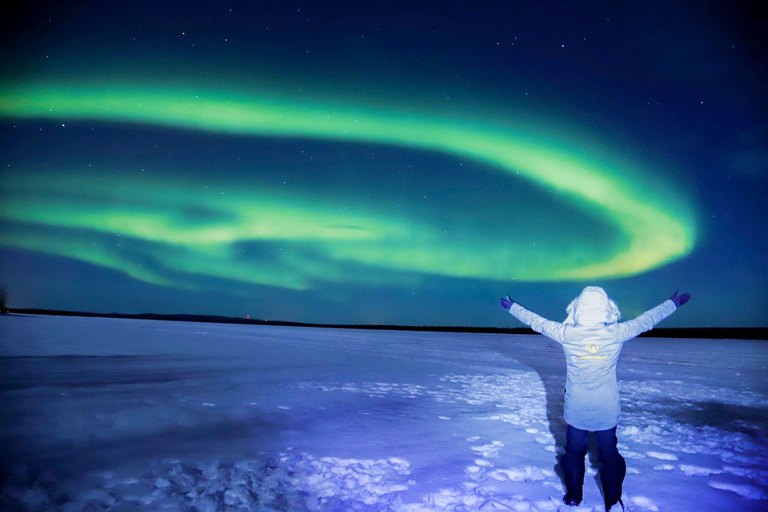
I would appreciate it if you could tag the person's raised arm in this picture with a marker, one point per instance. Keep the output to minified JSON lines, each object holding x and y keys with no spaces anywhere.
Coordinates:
{"x":650,"y":318}
{"x":550,"y":329}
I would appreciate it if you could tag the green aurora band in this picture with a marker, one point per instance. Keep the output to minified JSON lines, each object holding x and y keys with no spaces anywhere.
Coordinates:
{"x":325,"y":243}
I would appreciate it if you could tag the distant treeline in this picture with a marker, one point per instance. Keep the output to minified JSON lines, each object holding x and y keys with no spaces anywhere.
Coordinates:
{"x":740,"y":333}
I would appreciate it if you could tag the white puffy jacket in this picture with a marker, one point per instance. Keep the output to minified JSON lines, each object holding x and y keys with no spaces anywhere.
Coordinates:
{"x":592,"y":338}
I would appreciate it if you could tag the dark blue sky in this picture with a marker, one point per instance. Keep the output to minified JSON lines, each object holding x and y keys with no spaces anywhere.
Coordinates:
{"x":391,"y":162}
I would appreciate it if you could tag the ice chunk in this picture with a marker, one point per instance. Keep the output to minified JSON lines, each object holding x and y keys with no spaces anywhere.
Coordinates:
{"x":661,"y":455}
{"x":698,"y":471}
{"x":642,"y":501}
{"x":529,"y":473}
{"x":489,"y":450}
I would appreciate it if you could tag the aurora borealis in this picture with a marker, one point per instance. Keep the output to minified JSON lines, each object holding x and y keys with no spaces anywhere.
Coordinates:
{"x":297,"y":196}
{"x":653,"y":236}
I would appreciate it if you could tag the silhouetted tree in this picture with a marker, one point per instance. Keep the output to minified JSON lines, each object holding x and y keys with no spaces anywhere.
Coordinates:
{"x":3,"y":297}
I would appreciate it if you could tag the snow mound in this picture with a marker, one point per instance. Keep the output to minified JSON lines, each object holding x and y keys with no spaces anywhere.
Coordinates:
{"x":522,"y":392}
{"x":288,"y":481}
{"x":642,"y":501}
{"x":470,"y":500}
{"x":748,"y":491}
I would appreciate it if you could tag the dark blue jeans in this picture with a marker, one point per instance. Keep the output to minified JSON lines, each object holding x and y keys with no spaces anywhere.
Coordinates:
{"x":613,"y":471}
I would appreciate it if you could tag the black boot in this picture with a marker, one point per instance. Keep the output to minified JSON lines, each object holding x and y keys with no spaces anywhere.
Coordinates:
{"x":614,"y":469}
{"x":572,"y":463}
{"x":571,"y":500}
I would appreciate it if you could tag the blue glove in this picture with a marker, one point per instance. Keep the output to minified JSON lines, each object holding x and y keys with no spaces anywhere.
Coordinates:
{"x":506,"y":303}
{"x":679,"y":300}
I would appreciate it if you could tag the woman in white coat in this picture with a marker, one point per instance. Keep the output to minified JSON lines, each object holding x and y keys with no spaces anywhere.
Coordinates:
{"x":592,"y":337}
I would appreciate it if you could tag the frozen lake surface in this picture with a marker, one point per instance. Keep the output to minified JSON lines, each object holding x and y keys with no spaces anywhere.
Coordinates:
{"x":120,"y":415}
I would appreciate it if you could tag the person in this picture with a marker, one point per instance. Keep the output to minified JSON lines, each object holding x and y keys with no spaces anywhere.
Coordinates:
{"x":592,"y":338}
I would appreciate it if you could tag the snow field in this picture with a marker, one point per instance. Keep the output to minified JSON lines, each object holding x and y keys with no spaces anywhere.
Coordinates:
{"x":285,"y":419}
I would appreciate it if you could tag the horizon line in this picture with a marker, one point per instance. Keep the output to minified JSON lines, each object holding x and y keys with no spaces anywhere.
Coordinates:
{"x":760,"y":333}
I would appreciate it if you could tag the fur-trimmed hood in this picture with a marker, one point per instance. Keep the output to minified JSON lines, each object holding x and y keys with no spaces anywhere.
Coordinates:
{"x":592,"y":308}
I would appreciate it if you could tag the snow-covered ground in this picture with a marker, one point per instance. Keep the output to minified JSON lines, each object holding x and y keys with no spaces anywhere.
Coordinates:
{"x":121,"y":415}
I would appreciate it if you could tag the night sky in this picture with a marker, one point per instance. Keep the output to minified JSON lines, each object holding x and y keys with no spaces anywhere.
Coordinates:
{"x":384,"y":162}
